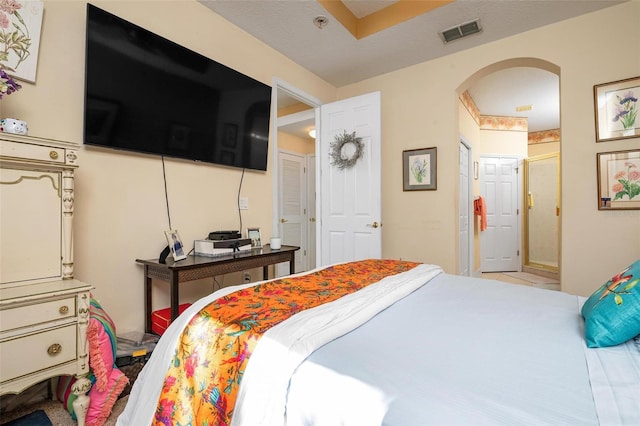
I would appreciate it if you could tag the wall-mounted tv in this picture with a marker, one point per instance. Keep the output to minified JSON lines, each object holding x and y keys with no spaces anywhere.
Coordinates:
{"x":147,"y":94}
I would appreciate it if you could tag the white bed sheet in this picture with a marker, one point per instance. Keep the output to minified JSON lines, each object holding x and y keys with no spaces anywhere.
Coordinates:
{"x":458,"y":351}
{"x":615,"y":381}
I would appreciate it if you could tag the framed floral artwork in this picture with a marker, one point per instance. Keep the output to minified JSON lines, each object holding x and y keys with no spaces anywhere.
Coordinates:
{"x":20,"y":26}
{"x":419,"y":169}
{"x":616,"y":108}
{"x":619,"y":180}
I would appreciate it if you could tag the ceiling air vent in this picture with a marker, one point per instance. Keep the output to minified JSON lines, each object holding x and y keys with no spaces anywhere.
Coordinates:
{"x":462,"y":30}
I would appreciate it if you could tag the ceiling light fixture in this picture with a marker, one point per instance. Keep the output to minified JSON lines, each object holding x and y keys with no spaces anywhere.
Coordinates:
{"x":321,"y":21}
{"x":459,"y":31}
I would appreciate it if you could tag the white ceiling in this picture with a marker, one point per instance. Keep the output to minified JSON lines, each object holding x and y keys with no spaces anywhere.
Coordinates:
{"x":336,"y":56}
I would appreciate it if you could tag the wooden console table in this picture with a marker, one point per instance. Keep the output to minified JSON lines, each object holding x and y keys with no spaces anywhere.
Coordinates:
{"x":198,"y":267}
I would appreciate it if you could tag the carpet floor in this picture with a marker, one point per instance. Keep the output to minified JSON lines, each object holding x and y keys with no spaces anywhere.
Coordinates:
{"x":57,"y":413}
{"x":538,"y":279}
{"x":535,"y":280}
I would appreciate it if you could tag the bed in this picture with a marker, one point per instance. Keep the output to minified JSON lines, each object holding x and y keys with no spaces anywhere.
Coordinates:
{"x":384,"y":342}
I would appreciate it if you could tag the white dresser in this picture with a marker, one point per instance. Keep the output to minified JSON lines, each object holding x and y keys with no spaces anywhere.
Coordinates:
{"x":44,"y":312}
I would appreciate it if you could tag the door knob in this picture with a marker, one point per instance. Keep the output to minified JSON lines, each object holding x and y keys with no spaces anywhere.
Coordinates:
{"x":283,"y":220}
{"x":375,"y":224}
{"x":313,"y":219}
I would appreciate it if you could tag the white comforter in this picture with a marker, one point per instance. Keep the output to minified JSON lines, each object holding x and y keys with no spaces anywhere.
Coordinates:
{"x":463,"y":351}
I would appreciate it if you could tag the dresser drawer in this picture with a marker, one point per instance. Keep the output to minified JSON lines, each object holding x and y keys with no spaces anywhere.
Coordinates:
{"x":27,"y":151}
{"x":39,"y":313}
{"x":39,"y":351}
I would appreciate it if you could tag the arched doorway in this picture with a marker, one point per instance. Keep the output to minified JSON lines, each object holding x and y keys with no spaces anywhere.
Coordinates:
{"x":471,"y":135}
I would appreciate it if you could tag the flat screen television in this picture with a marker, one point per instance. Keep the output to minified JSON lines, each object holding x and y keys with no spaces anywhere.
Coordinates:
{"x":147,"y":94}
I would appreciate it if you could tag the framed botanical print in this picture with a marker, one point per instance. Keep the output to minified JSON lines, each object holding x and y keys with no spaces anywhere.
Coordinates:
{"x":619,"y":180}
{"x":616,"y":109}
{"x":419,"y":169}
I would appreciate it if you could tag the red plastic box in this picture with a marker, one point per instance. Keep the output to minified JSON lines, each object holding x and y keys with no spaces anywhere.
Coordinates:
{"x":161,"y":319}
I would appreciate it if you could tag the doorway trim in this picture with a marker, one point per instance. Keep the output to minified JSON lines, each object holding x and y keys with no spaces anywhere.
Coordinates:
{"x":277,"y":85}
{"x":470,"y":215}
{"x":531,"y":62}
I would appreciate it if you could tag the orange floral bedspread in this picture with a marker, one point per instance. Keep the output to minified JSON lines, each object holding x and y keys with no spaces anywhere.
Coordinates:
{"x":202,"y":383}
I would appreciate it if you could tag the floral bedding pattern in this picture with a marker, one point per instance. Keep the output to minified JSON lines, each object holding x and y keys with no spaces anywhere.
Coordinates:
{"x":201,"y":385}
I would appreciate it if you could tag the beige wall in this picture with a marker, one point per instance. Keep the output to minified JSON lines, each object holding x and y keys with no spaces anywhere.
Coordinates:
{"x":543,"y":148}
{"x":419,"y":109}
{"x":296,"y":144}
{"x":120,"y":205}
{"x":503,"y":142}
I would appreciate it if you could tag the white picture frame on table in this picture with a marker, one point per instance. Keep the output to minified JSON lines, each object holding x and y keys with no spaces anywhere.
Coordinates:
{"x":175,"y":245}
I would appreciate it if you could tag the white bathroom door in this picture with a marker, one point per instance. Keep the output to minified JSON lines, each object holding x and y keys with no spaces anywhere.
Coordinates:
{"x":350,"y":198}
{"x":499,"y":186}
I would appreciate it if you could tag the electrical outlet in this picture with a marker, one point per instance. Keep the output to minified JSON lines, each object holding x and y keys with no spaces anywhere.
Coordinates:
{"x":247,"y":277}
{"x":243,"y":203}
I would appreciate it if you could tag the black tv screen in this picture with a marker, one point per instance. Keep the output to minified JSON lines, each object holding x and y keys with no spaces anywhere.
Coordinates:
{"x":145,"y":93}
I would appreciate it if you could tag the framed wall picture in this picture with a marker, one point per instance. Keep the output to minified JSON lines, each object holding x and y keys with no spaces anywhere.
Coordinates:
{"x":619,"y":180}
{"x":20,"y":35}
{"x":419,"y":169}
{"x":254,"y":235}
{"x":616,"y":108}
{"x":175,"y":245}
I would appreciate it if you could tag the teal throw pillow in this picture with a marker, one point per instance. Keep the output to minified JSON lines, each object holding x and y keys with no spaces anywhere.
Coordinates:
{"x":612,"y":313}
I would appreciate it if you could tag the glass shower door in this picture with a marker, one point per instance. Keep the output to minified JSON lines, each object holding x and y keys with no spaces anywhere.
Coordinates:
{"x":542,"y":212}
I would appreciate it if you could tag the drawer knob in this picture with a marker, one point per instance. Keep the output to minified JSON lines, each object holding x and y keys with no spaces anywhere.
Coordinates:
{"x":54,"y":349}
{"x":53,"y":155}
{"x":64,"y":310}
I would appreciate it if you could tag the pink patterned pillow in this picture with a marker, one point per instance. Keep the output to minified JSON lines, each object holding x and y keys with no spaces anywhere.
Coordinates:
{"x":109,"y":381}
{"x":101,"y":402}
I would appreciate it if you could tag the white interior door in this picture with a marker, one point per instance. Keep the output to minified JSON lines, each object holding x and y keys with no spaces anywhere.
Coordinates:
{"x":499,"y":186}
{"x":464,"y":216}
{"x":350,"y":199}
{"x":292,"y":202}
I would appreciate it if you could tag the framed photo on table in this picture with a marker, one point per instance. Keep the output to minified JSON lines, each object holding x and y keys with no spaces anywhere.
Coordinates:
{"x":616,"y":109}
{"x":254,"y":235}
{"x":619,"y":180}
{"x":419,"y":169}
{"x":175,"y":245}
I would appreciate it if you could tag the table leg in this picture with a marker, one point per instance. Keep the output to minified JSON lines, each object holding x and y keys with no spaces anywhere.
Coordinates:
{"x":174,"y":295}
{"x":265,"y":272}
{"x":292,"y":263}
{"x":147,"y":300}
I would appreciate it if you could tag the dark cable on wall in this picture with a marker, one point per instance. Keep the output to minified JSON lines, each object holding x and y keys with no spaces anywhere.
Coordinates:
{"x":239,"y":189}
{"x":166,"y":195}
